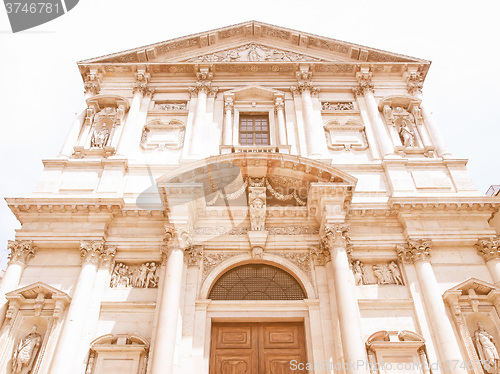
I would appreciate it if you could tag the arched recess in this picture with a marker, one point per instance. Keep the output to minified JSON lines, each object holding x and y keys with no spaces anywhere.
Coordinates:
{"x":267,"y":258}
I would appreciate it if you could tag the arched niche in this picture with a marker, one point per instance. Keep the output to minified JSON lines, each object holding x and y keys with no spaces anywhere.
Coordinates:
{"x":268,"y":259}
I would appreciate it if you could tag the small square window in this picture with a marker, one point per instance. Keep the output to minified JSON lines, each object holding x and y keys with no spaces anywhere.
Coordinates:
{"x":254,"y":130}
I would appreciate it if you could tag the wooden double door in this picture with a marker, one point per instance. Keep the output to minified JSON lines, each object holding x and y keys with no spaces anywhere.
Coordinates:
{"x":257,"y":348}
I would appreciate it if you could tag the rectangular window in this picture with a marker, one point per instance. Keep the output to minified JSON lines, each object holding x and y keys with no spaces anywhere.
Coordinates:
{"x":254,"y":130}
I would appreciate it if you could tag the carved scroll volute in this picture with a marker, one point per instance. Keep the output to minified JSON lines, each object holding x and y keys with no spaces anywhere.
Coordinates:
{"x":336,"y":235}
{"x":91,"y":251}
{"x":20,"y":251}
{"x":415,"y":250}
{"x":489,"y":248}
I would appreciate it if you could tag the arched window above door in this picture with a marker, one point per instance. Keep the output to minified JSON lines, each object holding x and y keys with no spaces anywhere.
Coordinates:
{"x":257,"y":282}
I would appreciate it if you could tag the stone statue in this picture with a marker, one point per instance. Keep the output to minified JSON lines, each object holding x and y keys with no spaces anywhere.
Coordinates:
{"x":488,"y":353}
{"x":378,"y":272}
{"x":140,"y":276}
{"x":257,"y":214}
{"x":152,"y":277}
{"x":406,"y":135}
{"x":395,"y":273}
{"x":359,"y":273}
{"x":100,"y":137}
{"x":25,"y":354}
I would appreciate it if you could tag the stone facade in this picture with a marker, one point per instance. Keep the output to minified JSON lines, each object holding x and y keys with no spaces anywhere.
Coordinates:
{"x":157,"y":193}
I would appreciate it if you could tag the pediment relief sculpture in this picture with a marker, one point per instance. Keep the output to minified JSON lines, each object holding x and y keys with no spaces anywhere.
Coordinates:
{"x":253,"y":52}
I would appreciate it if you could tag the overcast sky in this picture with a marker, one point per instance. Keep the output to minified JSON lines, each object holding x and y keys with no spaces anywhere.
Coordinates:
{"x":41,"y":88}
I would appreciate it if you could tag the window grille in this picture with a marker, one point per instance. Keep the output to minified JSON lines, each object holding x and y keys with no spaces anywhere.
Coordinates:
{"x":257,"y":282}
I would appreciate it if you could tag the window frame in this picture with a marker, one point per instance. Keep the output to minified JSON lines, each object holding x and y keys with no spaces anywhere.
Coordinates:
{"x":254,"y":115}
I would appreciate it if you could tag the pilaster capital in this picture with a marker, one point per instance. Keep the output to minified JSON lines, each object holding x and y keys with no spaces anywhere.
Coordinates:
{"x":92,"y":83}
{"x":91,"y":251}
{"x":489,"y":248}
{"x":193,"y":255}
{"x":365,"y":83}
{"x":415,"y":250}
{"x":142,"y":83}
{"x":203,"y":86}
{"x":177,"y":237}
{"x":108,"y":257}
{"x":320,"y":255}
{"x":336,"y":235}
{"x":279,"y":104}
{"x":304,"y":86}
{"x":228,"y":104}
{"x":20,"y":251}
{"x":414,"y":82}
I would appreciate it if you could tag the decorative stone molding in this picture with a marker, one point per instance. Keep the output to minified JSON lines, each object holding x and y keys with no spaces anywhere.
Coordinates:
{"x":336,"y":235}
{"x":279,"y":104}
{"x":204,"y":83}
{"x":346,"y":136}
{"x":171,"y":107}
{"x":159,"y":135}
{"x":489,"y":248}
{"x":293,"y":230}
{"x":92,"y":83}
{"x":337,"y":106}
{"x":320,"y":255}
{"x":193,"y":255}
{"x":92,"y":251}
{"x":108,"y":257}
{"x":304,"y":82}
{"x":376,"y":273}
{"x":177,"y":237}
{"x":20,"y":250}
{"x":220,"y":230}
{"x":365,"y":83}
{"x":301,"y":259}
{"x":257,"y":207}
{"x":145,"y":275}
{"x":415,"y":250}
{"x":257,"y":252}
{"x":211,"y":260}
{"x":141,"y":84}
{"x":414,"y":82}
{"x":253,"y":52}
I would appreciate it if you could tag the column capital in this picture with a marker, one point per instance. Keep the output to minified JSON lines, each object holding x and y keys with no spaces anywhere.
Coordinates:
{"x":415,"y":250}
{"x":203,"y":86}
{"x":20,"y":251}
{"x":177,"y":237}
{"x":336,"y":235}
{"x":91,"y":251}
{"x":108,"y":257}
{"x":142,"y":83}
{"x":228,"y":104}
{"x":92,"y":83}
{"x":365,"y":83}
{"x":193,"y":255}
{"x":414,"y":82}
{"x":304,"y":86}
{"x":489,"y":248}
{"x":279,"y":104}
{"x":320,"y":255}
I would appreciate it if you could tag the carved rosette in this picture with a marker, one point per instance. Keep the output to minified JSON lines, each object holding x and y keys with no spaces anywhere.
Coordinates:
{"x":20,"y":250}
{"x":193,"y":255}
{"x":92,"y":251}
{"x":489,"y":248}
{"x":415,"y":250}
{"x":320,"y":255}
{"x":336,"y":235}
{"x":365,"y":83}
{"x":177,"y":237}
{"x":414,"y":83}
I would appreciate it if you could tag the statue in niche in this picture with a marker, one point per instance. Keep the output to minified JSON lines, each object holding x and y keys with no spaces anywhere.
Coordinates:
{"x":406,"y":135}
{"x":359,"y":273}
{"x":488,"y":353}
{"x":395,"y":273}
{"x":25,"y":354}
{"x":100,"y":137}
{"x":257,"y":214}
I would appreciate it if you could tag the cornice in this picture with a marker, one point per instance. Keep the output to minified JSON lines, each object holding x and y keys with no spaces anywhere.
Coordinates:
{"x":410,"y":204}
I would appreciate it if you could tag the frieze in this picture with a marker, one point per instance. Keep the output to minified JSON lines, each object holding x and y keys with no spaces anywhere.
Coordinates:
{"x":281,"y":34}
{"x":224,"y":34}
{"x":382,"y":57}
{"x":327,"y":105}
{"x":181,"y":44}
{"x":253,"y":68}
{"x":220,"y":230}
{"x":253,"y":52}
{"x":170,"y":106}
{"x":330,"y":45}
{"x":145,"y":275}
{"x":376,"y":273}
{"x":334,"y":68}
{"x":293,"y":230}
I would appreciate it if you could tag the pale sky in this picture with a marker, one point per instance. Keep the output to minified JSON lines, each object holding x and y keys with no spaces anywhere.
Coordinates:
{"x":41,"y":88}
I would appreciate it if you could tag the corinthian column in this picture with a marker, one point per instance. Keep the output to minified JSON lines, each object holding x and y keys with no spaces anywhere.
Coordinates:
{"x":65,"y":357}
{"x":177,"y":240}
{"x":227,"y":138}
{"x":418,"y":252}
{"x":489,"y":249}
{"x":336,"y":239}
{"x":279,"y":107}
{"x":20,"y":253}
{"x":365,"y":89}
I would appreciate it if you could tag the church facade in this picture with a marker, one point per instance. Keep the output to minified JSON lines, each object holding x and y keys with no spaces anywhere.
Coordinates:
{"x":253,"y":200}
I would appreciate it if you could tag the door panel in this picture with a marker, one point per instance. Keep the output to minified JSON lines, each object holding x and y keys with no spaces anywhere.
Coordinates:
{"x":256,"y":348}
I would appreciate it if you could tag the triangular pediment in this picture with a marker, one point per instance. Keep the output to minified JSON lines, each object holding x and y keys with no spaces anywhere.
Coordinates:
{"x":253,"y":42}
{"x":33,"y":290}
{"x":480,"y":287}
